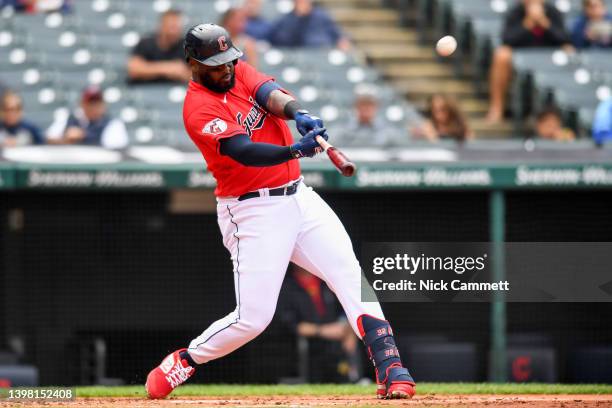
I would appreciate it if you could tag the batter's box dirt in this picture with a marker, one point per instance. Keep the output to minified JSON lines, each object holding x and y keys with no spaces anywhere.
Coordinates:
{"x":442,"y":401}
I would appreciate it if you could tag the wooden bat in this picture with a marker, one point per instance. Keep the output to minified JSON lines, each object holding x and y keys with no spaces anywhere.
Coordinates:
{"x":346,"y":167}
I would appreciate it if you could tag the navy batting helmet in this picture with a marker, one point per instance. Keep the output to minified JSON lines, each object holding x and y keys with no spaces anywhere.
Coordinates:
{"x":210,"y":44}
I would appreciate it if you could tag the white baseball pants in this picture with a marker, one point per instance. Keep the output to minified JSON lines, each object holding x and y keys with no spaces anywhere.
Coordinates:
{"x":263,"y":235}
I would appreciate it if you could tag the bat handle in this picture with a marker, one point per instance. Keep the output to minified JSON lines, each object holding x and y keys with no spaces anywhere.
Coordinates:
{"x":323,"y":143}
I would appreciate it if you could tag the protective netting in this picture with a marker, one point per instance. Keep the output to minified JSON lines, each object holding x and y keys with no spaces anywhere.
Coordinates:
{"x":123,"y":268}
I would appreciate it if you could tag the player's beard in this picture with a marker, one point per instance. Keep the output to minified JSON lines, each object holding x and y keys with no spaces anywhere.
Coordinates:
{"x":207,"y":81}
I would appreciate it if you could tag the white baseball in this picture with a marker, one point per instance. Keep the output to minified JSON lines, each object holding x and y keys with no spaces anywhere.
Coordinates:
{"x":446,"y":45}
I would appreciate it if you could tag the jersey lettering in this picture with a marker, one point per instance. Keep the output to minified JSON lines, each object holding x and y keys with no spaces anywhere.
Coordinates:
{"x":254,"y":119}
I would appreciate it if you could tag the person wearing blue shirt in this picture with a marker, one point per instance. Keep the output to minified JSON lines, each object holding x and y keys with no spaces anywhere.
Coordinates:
{"x":307,"y":26}
{"x":602,"y":124}
{"x":35,"y":6}
{"x":14,"y":130}
{"x":257,"y":27}
{"x":594,"y":27}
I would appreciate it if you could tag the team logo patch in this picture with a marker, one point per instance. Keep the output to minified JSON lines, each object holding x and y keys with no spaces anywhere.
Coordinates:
{"x":215,"y":127}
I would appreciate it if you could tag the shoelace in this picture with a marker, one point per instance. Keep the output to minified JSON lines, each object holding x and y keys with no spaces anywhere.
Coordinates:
{"x":178,"y":375}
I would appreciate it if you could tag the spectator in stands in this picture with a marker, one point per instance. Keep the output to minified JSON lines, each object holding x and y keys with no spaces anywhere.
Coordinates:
{"x":234,"y":20}
{"x":531,"y":23}
{"x":89,"y":124}
{"x":36,"y":6}
{"x":257,"y":26}
{"x":366,"y":127}
{"x":594,"y":27}
{"x":309,"y":309}
{"x":602,"y":124}
{"x":549,"y":126}
{"x":160,"y":57}
{"x":445,"y":121}
{"x":14,"y":130}
{"x":307,"y":26}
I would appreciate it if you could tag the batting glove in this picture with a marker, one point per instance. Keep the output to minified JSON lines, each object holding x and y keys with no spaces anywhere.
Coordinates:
{"x":308,"y":145}
{"x":305,"y":122}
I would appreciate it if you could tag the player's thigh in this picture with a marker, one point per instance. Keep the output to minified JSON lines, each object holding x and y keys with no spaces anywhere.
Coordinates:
{"x":323,"y":245}
{"x":260,"y":238}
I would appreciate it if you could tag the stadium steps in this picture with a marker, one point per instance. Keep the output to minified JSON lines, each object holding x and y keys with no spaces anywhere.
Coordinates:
{"x":415,"y":70}
{"x":364,"y":16}
{"x":383,"y":34}
{"x":391,"y":53}
{"x":418,"y":88}
{"x":349,"y":3}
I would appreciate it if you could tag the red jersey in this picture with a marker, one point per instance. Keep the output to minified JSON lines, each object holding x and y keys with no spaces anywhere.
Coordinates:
{"x":210,"y":117}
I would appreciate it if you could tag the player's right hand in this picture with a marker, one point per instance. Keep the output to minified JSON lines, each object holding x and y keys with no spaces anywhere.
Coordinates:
{"x":308,"y":146}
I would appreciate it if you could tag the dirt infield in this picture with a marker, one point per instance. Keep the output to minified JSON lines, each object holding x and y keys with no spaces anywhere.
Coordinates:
{"x":443,"y":401}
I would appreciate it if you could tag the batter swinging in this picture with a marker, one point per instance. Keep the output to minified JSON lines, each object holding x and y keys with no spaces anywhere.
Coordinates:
{"x":267,"y":216}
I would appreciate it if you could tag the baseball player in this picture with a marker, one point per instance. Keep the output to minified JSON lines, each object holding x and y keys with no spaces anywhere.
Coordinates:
{"x":267,"y":215}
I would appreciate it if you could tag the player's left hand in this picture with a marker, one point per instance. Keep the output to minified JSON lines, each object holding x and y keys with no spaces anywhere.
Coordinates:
{"x":305,"y":122}
{"x":308,"y":145}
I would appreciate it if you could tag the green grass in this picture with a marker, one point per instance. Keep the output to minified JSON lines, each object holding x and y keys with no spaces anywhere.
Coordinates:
{"x":422,"y":389}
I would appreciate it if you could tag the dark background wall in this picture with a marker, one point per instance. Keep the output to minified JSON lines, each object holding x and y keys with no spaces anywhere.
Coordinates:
{"x":124,"y":268}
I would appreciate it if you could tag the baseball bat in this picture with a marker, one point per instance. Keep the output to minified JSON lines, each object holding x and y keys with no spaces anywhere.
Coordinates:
{"x":346,"y":167}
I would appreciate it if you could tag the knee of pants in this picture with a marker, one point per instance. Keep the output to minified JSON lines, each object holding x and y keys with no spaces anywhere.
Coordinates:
{"x":256,"y":321}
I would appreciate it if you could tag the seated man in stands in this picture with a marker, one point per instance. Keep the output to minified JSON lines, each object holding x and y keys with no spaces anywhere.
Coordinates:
{"x":549,"y":126}
{"x":594,"y":27}
{"x":602,"y":124}
{"x":160,"y":57}
{"x":307,"y":26}
{"x":309,"y":309}
{"x":257,"y":26}
{"x":14,"y":130}
{"x":531,"y":23}
{"x":38,"y":6}
{"x":366,"y":127}
{"x":89,"y":124}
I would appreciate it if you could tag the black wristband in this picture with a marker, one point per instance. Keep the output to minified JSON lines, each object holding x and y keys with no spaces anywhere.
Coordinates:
{"x":291,"y":109}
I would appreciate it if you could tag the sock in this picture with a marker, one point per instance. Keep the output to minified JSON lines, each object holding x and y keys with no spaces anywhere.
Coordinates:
{"x":185,"y":356}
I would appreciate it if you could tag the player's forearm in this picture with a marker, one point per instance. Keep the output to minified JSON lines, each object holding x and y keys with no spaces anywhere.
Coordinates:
{"x":278,"y":102}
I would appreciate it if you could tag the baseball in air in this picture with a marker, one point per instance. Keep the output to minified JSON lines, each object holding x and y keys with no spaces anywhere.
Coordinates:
{"x":446,"y":46}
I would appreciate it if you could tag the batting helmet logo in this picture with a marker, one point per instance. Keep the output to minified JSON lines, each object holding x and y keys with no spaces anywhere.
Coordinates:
{"x":222,"y":43}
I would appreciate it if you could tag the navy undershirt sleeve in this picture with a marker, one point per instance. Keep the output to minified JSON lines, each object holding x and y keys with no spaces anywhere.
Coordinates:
{"x":264,"y":91}
{"x":247,"y":153}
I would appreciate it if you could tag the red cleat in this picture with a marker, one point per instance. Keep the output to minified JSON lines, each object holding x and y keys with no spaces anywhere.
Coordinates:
{"x":395,"y":384}
{"x":172,"y":372}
